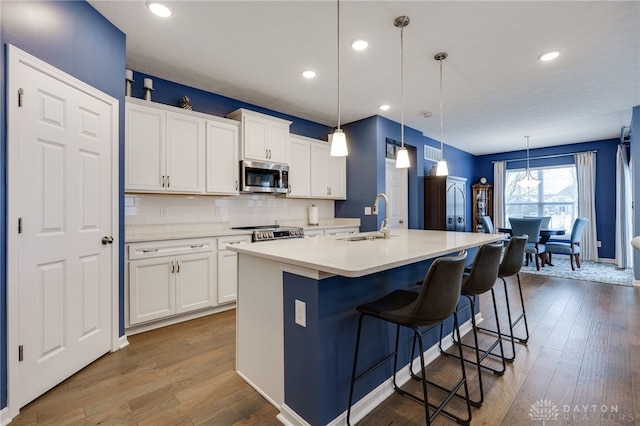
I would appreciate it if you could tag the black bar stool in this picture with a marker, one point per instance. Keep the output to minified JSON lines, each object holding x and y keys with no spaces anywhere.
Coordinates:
{"x":481,"y":278}
{"x":434,"y":303}
{"x":511,"y":265}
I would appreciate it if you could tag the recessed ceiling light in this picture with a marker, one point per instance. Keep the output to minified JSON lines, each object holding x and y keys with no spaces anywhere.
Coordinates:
{"x":384,"y":107}
{"x":359,"y":44}
{"x":159,"y":9}
{"x":549,"y":56}
{"x":308,"y":74}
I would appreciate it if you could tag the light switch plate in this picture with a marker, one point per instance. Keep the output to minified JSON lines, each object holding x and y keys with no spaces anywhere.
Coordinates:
{"x":367,"y":211}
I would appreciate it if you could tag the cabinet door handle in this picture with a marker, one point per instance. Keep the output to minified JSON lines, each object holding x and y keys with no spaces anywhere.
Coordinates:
{"x":149,"y":250}
{"x":236,"y":184}
{"x":163,"y":181}
{"x":266,"y":153}
{"x":269,"y":154}
{"x":197,"y":246}
{"x":168,"y":181}
{"x":289,"y":191}
{"x":178,"y":271}
{"x":173,"y":267}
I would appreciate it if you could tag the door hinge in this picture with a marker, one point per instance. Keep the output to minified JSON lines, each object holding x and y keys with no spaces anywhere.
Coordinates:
{"x":20,"y":95}
{"x":19,"y":225}
{"x":20,"y":353}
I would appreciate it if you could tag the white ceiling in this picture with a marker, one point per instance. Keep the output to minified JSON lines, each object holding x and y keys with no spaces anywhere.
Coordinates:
{"x":496,"y":90}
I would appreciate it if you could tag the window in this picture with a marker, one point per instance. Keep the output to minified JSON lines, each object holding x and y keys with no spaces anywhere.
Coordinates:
{"x":555,"y":196}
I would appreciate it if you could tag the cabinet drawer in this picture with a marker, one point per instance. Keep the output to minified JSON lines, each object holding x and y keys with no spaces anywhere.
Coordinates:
{"x":223,"y":242}
{"x":169,"y":248}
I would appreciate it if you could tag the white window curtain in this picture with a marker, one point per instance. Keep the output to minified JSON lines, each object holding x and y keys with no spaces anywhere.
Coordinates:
{"x":498,"y":193}
{"x":586,"y":174}
{"x":624,"y":215}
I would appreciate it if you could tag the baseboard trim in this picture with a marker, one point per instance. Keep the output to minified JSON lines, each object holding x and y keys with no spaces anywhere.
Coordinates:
{"x":374,"y":398}
{"x":123,"y":342}
{"x":5,"y":419}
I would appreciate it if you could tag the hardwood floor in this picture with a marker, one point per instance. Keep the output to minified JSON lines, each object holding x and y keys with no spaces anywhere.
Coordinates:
{"x":581,"y":359}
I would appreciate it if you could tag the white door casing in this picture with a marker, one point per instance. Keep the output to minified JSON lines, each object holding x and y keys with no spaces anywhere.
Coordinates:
{"x":62,"y":287}
{"x":396,"y":188}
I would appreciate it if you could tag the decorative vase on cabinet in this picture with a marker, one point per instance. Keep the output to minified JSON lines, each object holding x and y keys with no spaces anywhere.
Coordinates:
{"x":444,"y":203}
{"x":482,"y":204}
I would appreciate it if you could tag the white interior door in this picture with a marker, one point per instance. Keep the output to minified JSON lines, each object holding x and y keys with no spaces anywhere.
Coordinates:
{"x":396,"y":188}
{"x":61,"y":206}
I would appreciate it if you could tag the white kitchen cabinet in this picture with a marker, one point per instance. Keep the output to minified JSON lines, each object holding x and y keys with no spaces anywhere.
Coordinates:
{"x":328,"y":174}
{"x":223,"y":168}
{"x":164,"y":149}
{"x":299,"y":167}
{"x":263,"y":138}
{"x":167,"y":278}
{"x":311,"y":233}
{"x":341,"y":231}
{"x":228,"y":267}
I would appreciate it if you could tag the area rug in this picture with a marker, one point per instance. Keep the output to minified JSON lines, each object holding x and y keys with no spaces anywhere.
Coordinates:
{"x":589,"y":271}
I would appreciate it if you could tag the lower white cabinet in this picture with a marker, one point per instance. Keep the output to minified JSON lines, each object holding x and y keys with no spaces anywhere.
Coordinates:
{"x":341,"y":231}
{"x":167,"y":278}
{"x":228,"y":267}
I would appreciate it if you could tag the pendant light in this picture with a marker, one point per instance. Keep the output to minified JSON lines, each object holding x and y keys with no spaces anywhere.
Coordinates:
{"x":441,"y":169}
{"x":402,"y":155}
{"x":528,"y":181}
{"x":338,"y":139}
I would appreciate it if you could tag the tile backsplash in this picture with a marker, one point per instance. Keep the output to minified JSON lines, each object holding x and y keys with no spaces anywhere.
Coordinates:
{"x":240,"y":210}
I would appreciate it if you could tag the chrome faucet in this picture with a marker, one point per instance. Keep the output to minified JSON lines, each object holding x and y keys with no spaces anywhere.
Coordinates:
{"x":384,"y":227}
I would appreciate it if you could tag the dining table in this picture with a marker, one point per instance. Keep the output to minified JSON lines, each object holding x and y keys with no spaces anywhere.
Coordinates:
{"x":545,"y":235}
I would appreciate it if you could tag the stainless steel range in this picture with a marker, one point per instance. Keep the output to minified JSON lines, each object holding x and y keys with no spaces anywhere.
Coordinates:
{"x":273,"y":232}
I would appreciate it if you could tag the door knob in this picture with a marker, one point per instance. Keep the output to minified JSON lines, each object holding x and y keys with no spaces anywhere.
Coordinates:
{"x":107,"y":240}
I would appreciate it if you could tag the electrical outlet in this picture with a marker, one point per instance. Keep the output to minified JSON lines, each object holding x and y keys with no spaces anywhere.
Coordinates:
{"x":375,"y":209}
{"x":598,"y":243}
{"x":301,"y":313}
{"x":367,"y":211}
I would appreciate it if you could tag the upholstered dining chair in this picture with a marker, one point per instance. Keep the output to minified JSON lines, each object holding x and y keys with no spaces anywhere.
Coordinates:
{"x":487,"y":224}
{"x":546,"y":220}
{"x":530,"y":227}
{"x":572,"y":248}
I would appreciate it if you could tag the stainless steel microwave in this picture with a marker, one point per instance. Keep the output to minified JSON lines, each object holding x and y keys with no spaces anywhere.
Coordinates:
{"x":257,"y":176}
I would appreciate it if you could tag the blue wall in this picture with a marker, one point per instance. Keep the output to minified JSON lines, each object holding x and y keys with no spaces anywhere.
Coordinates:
{"x":75,"y":38}
{"x":605,"y":180}
{"x":170,"y":93}
{"x":367,"y":144}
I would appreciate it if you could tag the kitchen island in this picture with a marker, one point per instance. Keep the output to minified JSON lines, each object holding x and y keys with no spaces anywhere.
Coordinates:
{"x":296,"y":317}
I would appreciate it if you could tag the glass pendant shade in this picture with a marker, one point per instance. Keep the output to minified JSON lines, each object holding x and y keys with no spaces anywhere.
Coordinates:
{"x":338,"y":144}
{"x":338,"y":139}
{"x":442,"y":169}
{"x":402,"y":158}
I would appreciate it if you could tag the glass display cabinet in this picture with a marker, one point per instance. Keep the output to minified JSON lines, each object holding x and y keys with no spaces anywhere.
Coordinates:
{"x":482,"y":204}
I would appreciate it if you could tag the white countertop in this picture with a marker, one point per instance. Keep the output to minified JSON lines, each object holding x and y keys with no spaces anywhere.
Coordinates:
{"x":174,"y":231}
{"x":137,"y":233}
{"x":337,"y":256}
{"x":338,"y":222}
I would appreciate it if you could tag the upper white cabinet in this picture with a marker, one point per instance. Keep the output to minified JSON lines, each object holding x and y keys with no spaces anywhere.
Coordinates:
{"x":263,"y":138}
{"x":222,"y":158}
{"x":328,"y":174}
{"x":299,"y":167}
{"x":164,"y":149}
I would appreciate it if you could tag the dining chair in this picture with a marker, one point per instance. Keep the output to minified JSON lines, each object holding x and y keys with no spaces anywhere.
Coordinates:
{"x":572,"y":248}
{"x":487,"y":224}
{"x":530,"y":227}
{"x":546,"y":220}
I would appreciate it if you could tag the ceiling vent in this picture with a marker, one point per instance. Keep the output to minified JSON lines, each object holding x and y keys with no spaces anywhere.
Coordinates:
{"x":432,"y":154}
